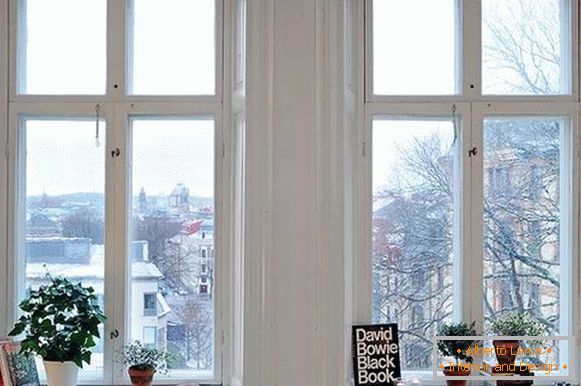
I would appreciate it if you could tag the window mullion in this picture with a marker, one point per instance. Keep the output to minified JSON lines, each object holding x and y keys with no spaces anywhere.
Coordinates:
{"x":117,"y":261}
{"x":474,"y":248}
{"x":116,"y":48}
{"x":471,"y":40}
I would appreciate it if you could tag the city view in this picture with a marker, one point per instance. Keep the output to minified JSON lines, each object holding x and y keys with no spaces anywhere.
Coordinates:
{"x":415,"y":185}
{"x":171,"y":250}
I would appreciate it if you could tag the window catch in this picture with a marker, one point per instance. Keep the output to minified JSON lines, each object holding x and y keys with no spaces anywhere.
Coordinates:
{"x":115,"y":153}
{"x":472,"y":152}
{"x":114,"y":334}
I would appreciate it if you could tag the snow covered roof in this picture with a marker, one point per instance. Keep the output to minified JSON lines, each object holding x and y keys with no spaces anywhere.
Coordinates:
{"x":94,"y":270}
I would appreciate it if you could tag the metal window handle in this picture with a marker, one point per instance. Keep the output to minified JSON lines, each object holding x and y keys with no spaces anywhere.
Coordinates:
{"x":114,"y":334}
{"x":115,"y":153}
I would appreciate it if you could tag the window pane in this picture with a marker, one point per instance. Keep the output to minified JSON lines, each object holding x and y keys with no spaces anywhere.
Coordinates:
{"x":525,"y":47}
{"x":414,"y":47}
{"x":173,"y":240}
{"x":522,"y":218}
{"x":62,"y":46}
{"x":172,"y":47}
{"x":413,"y":210}
{"x":64,"y":219}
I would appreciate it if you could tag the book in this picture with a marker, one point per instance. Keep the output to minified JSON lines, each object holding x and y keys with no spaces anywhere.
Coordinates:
{"x":17,"y":369}
{"x":376,"y":355}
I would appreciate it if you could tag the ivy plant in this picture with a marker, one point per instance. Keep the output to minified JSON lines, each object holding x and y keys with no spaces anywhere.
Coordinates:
{"x":449,"y":348}
{"x":60,"y":322}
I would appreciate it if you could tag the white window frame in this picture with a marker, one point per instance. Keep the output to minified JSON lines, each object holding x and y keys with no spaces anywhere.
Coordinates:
{"x":471,"y":108}
{"x":116,"y":110}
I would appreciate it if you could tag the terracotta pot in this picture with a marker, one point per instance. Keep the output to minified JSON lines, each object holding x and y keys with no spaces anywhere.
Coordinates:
{"x":505,"y":351}
{"x":456,"y":373}
{"x":141,"y":377}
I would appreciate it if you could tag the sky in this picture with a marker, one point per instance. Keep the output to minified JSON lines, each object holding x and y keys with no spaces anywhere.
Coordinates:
{"x":62,"y":156}
{"x":414,"y":52}
{"x":173,"y":49}
{"x":391,"y":137}
{"x":173,"y":53}
{"x":416,"y":46}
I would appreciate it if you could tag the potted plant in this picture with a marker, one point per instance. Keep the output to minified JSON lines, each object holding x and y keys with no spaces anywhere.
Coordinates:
{"x":60,"y":322}
{"x":456,"y":349}
{"x":143,"y":362}
{"x":513,"y":324}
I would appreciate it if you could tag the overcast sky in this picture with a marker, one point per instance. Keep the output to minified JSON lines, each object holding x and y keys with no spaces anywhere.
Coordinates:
{"x":62,"y":156}
{"x":173,"y":53}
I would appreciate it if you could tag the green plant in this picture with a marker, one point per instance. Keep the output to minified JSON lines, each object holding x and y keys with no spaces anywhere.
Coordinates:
{"x":136,"y":356}
{"x":517,"y":324}
{"x":450,"y":348}
{"x":60,"y":322}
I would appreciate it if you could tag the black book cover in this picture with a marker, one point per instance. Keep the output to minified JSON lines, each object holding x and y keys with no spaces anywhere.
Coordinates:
{"x":376,"y":355}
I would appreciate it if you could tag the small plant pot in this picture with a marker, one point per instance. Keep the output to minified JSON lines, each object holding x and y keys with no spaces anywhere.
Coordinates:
{"x":61,"y":373}
{"x":456,"y":373}
{"x":505,"y":351}
{"x":141,"y":377}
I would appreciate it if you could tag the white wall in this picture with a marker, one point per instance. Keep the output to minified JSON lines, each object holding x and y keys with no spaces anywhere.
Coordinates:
{"x":296,"y":294}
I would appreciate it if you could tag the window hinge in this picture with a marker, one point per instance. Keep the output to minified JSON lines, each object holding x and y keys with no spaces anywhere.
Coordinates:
{"x":472,"y":152}
{"x":223,"y":149}
{"x":363,"y":149}
{"x":115,"y":152}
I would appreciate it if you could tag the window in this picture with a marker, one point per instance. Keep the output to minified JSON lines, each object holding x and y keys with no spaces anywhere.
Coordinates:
{"x":176,"y":37}
{"x":53,"y":61}
{"x":413,"y":228}
{"x":522,"y":231}
{"x":468,"y":185}
{"x":406,"y":66}
{"x":526,"y":47}
{"x":114,"y":177}
{"x":149,"y":336}
{"x":63,"y":206}
{"x":173,"y":163}
{"x":150,"y":304}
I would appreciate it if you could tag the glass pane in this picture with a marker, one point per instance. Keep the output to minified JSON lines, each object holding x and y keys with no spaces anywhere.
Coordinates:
{"x":525,"y":47}
{"x":414,"y":47}
{"x":522,"y":218}
{"x":173,"y":241}
{"x":64,"y":219}
{"x":172,"y":47}
{"x":413,"y":235}
{"x":62,"y":47}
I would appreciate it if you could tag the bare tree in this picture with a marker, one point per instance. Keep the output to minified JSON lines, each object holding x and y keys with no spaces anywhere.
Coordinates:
{"x":412,"y":240}
{"x":156,"y":229}
{"x":413,"y":232}
{"x":197,"y":316}
{"x":84,"y":222}
{"x":522,"y":46}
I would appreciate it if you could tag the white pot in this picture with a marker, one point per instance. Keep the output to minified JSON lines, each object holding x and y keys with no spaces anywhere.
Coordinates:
{"x":61,"y":373}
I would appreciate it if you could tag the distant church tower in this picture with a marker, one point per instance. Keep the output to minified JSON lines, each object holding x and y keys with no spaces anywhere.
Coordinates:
{"x":142,"y":201}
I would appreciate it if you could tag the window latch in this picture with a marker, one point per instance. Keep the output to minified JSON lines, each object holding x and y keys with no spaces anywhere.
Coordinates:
{"x":115,"y":153}
{"x":472,"y":152}
{"x":114,"y":334}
